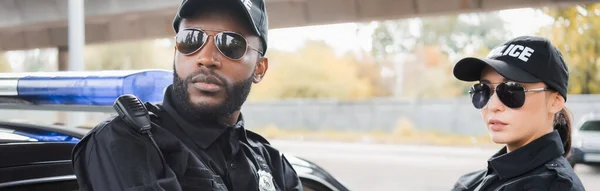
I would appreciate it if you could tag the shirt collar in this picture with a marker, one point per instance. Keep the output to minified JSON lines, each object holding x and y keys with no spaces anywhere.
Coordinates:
{"x":240,"y":129}
{"x":528,"y":157}
{"x":203,"y":134}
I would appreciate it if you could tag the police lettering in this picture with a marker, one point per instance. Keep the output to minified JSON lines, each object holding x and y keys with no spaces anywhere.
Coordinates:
{"x":247,"y":4}
{"x":514,"y":50}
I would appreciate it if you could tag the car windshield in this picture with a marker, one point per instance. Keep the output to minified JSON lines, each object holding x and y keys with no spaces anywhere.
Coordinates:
{"x":591,"y":126}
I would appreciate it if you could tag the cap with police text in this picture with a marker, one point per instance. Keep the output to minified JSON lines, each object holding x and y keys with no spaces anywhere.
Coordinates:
{"x":254,"y":10}
{"x":526,"y":59}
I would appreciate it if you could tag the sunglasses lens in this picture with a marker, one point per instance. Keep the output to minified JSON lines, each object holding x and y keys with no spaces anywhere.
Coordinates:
{"x":480,"y":94}
{"x":511,"y":94}
{"x":189,"y":41}
{"x":231,"y":45}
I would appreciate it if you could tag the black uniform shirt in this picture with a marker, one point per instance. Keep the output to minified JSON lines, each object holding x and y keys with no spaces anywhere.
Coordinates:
{"x":114,"y":156}
{"x":538,"y":165}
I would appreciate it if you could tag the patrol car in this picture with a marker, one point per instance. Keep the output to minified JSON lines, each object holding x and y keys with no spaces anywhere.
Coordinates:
{"x":586,"y":141}
{"x":38,"y":156}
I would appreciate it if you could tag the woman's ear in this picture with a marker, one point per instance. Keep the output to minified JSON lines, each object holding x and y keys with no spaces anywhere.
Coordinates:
{"x":261,"y":69}
{"x":556,"y":103}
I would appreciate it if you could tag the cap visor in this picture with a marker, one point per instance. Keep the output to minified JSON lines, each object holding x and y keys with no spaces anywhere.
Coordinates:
{"x":469,"y":69}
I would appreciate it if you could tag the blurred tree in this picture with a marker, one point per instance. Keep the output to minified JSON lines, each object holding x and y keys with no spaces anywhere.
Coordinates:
{"x":452,"y":33}
{"x":315,"y":71}
{"x":436,"y":43}
{"x":128,"y":56}
{"x":368,"y":69}
{"x":388,"y":40}
{"x":459,"y":32}
{"x":4,"y":64}
{"x":576,"y":32}
{"x":426,"y":74}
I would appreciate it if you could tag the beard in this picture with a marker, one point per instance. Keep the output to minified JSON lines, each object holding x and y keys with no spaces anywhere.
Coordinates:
{"x":235,"y":96}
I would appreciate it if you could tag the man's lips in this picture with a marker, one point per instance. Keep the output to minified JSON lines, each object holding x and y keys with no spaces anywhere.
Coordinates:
{"x":206,"y":87}
{"x":206,"y":83}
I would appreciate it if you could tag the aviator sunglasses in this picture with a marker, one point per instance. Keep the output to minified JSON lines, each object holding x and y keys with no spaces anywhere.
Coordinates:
{"x":231,"y":44}
{"x":511,"y":94}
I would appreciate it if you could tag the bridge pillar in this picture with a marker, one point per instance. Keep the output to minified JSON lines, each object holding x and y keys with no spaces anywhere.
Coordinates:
{"x":73,"y":61}
{"x":71,"y":119}
{"x":63,"y":65}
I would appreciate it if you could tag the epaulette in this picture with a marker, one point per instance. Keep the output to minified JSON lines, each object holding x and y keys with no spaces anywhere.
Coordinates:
{"x":100,"y":126}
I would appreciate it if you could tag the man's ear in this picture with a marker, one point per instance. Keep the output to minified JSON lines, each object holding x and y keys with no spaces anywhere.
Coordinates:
{"x":261,"y":69}
{"x":556,"y":103}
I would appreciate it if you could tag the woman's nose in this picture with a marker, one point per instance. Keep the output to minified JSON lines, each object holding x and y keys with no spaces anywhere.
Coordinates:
{"x":494,"y":104}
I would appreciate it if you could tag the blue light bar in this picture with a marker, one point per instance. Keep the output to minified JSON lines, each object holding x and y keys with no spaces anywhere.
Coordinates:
{"x":85,"y":88}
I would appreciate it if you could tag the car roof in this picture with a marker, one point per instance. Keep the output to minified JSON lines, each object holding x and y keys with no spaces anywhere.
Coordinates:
{"x":590,"y":117}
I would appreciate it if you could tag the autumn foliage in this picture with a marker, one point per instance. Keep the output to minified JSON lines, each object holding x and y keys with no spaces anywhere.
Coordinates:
{"x":315,"y":71}
{"x":576,"y":32}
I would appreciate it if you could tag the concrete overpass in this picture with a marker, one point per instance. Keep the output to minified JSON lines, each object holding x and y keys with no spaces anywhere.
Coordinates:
{"x":29,"y":24}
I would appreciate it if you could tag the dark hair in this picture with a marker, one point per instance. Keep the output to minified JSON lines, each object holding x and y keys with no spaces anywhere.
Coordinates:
{"x":562,"y":123}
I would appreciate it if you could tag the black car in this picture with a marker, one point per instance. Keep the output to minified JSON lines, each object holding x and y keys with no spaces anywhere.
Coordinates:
{"x":38,"y":157}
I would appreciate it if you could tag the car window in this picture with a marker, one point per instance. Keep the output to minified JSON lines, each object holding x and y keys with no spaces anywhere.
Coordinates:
{"x":591,"y":126}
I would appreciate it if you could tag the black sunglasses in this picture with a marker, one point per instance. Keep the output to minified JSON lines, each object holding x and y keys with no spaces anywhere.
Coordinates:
{"x":230,"y":44}
{"x":511,"y":94}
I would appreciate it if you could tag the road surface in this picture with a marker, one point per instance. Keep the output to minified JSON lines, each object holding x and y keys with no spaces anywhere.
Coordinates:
{"x":375,"y":167}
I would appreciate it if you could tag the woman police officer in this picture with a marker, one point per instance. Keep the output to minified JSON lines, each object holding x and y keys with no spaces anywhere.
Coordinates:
{"x":521,"y":95}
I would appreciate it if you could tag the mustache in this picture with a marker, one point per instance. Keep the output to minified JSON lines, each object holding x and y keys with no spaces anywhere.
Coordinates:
{"x":206,"y":76}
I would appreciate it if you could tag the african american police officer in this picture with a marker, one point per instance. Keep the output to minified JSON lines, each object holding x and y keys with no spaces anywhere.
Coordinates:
{"x":219,"y":54}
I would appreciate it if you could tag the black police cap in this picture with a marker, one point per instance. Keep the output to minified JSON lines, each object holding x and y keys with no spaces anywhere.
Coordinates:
{"x":527,"y":59}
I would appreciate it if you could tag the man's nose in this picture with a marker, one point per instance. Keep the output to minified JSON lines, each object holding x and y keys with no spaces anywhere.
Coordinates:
{"x":209,"y":55}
